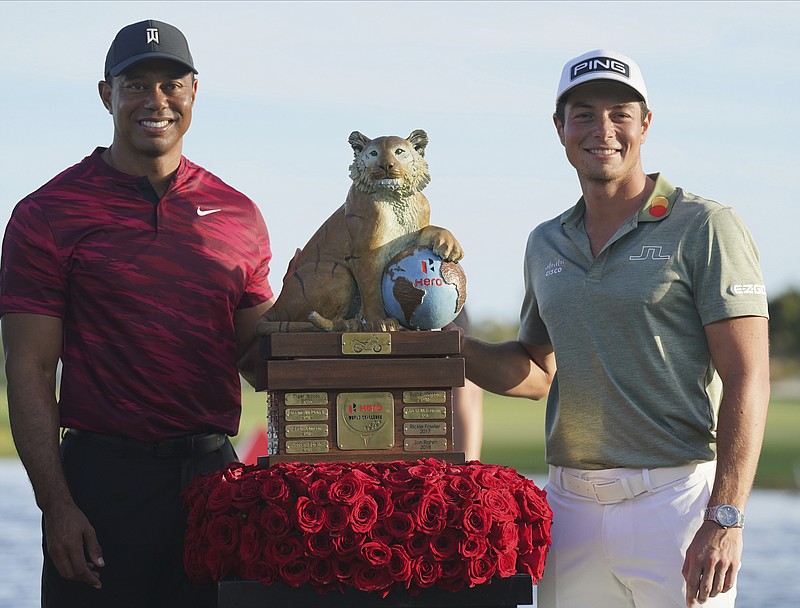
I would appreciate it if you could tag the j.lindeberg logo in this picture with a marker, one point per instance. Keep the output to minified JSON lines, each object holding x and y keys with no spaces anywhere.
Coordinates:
{"x":152,"y":35}
{"x":650,"y":252}
{"x":553,"y":267}
{"x":599,"y":64}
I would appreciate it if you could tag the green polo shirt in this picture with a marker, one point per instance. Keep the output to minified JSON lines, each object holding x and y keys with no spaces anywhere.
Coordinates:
{"x":635,"y":385}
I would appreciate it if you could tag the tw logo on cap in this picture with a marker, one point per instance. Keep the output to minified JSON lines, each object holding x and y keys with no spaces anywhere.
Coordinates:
{"x":599,"y":64}
{"x":152,"y":35}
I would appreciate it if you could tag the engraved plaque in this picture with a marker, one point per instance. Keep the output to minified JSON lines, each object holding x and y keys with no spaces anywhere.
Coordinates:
{"x":306,"y":398}
{"x":306,"y":430}
{"x":433,"y":412}
{"x":306,"y":414}
{"x":425,"y":428}
{"x":359,"y":343}
{"x":425,"y":444}
{"x":310,"y":446}
{"x":365,"y":421}
{"x":424,"y":397}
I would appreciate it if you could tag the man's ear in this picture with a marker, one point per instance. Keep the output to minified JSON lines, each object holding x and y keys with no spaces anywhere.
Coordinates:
{"x":559,"y":128}
{"x":105,"y":94}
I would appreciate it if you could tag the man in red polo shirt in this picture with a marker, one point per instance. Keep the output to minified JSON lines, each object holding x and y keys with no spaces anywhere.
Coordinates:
{"x":143,"y":275}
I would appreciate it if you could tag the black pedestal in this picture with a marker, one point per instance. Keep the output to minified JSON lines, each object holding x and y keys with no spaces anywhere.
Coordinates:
{"x":500,"y":593}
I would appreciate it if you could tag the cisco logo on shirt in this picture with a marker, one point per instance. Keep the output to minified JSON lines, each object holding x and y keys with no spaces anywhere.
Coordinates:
{"x":747,"y":289}
{"x":553,"y":268}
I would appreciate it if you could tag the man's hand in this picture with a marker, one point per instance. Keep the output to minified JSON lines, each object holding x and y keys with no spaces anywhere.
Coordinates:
{"x":712,"y":562}
{"x":72,"y":545}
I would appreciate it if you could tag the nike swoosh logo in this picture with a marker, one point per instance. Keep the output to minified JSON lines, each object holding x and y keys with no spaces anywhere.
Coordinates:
{"x":202,"y":212}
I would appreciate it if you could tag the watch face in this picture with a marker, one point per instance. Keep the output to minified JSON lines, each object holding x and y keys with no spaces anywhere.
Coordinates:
{"x":727,"y":515}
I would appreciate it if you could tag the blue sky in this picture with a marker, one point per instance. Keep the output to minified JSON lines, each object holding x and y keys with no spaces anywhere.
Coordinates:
{"x":282,"y":85}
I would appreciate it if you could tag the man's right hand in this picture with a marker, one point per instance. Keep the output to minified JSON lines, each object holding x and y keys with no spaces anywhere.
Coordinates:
{"x":72,"y":545}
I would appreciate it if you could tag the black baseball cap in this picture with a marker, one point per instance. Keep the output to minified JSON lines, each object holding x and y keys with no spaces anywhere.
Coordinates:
{"x":149,"y":39}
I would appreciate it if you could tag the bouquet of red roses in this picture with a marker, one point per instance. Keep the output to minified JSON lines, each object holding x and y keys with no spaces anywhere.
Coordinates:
{"x":372,"y":526}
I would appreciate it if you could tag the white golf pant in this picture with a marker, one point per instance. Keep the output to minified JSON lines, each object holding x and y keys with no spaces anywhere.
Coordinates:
{"x":629,"y":552}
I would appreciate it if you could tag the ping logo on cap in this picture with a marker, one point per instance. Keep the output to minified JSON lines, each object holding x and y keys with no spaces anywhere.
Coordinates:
{"x":152,"y":35}
{"x":599,"y":64}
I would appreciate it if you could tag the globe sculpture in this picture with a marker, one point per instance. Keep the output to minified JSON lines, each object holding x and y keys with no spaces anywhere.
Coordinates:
{"x":421,"y":290}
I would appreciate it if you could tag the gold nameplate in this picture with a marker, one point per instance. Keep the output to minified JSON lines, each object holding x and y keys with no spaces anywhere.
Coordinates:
{"x":306,"y":430}
{"x":361,"y":343}
{"x":311,"y":446}
{"x":306,"y":414}
{"x":433,"y":412}
{"x":365,"y":421}
{"x":424,"y":444}
{"x":425,"y":428}
{"x":424,"y":397}
{"x":306,"y":398}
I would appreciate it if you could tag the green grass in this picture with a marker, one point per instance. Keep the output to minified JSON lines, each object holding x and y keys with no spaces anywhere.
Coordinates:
{"x":514,"y":436}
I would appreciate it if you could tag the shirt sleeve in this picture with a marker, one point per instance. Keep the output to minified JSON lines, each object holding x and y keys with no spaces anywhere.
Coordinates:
{"x":727,"y":275}
{"x":258,"y":289}
{"x":532,"y":329}
{"x":32,"y":275}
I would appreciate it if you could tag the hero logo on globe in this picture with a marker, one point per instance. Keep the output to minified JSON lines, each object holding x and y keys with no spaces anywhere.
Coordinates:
{"x":599,"y":64}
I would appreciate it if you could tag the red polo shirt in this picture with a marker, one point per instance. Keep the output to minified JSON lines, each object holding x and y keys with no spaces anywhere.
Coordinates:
{"x":147,"y":290}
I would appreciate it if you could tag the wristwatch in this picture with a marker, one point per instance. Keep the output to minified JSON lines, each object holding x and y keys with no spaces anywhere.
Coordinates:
{"x":725,"y":516}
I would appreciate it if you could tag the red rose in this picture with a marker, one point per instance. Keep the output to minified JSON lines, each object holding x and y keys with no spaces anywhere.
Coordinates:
{"x":477,"y":520}
{"x":506,"y":564}
{"x":399,"y":565}
{"x":461,"y":488}
{"x":321,"y":575}
{"x":309,"y":516}
{"x":418,"y":544}
{"x":259,"y":570}
{"x":319,"y":544}
{"x":424,"y":571}
{"x":473,"y":546}
{"x":223,"y":534}
{"x":294,"y":573}
{"x":532,"y":503}
{"x":347,"y":488}
{"x":383,"y":498}
{"x":245,"y":493}
{"x":505,"y":536}
{"x":363,"y":514}
{"x":319,"y":491}
{"x":298,"y":475}
{"x":425,"y":472}
{"x":220,"y":498}
{"x":274,"y":489}
{"x":283,"y":550}
{"x":431,"y":513}
{"x":369,"y":578}
{"x":533,"y":562}
{"x":375,"y":553}
{"x":275,"y":521}
{"x":336,"y":518}
{"x":400,"y":525}
{"x":348,"y":542}
{"x":500,"y":505}
{"x":480,"y":570}
{"x":380,"y":532}
{"x":445,"y":545}
{"x":249,"y":543}
{"x":217,"y":564}
{"x":525,"y":538}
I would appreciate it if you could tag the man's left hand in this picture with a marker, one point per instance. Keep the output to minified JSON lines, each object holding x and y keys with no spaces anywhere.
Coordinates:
{"x":712,"y":562}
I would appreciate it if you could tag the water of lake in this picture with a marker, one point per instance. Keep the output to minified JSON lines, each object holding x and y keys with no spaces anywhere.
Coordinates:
{"x":769,"y":575}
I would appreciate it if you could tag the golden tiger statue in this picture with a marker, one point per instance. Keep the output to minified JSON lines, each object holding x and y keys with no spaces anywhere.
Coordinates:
{"x":334,"y":282}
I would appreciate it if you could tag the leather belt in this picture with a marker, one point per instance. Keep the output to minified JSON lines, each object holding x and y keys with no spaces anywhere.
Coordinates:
{"x":612,"y":491}
{"x":189,"y":445}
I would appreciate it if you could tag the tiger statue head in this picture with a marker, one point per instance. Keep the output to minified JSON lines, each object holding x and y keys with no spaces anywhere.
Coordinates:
{"x":390,"y":165}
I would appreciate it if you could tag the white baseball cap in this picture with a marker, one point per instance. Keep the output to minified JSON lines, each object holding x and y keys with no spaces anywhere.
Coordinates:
{"x":601,"y":64}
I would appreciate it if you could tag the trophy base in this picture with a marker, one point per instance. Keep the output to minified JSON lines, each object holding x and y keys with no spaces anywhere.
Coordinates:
{"x":449,"y":457}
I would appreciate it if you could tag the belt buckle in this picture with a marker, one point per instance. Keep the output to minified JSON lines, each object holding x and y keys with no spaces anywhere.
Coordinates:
{"x":608,"y":484}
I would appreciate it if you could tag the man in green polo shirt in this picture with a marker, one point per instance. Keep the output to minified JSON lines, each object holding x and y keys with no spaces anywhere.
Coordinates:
{"x":651,"y":301}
